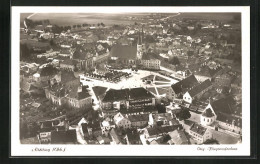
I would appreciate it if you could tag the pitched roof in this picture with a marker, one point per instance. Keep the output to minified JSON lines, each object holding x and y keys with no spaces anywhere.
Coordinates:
{"x":178,"y":137}
{"x":60,"y":137}
{"x":185,"y":84}
{"x":48,"y":71}
{"x":126,"y":94}
{"x":224,"y":105}
{"x":67,"y":76}
{"x":199,"y":88}
{"x":140,"y":117}
{"x":98,"y":90}
{"x":138,"y":93}
{"x":157,"y":130}
{"x":196,"y":128}
{"x":82,"y":54}
{"x":75,"y":94}
{"x":124,"y":52}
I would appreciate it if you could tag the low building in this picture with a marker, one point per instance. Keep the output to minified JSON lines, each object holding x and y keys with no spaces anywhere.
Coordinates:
{"x":151,"y":64}
{"x":106,"y":125}
{"x":197,"y":91}
{"x":139,"y":120}
{"x":68,"y":65}
{"x":181,"y":87}
{"x":135,"y":98}
{"x":91,"y":130}
{"x":157,"y":131}
{"x":223,"y":80}
{"x":133,"y":138}
{"x":230,"y":123}
{"x":200,"y":133}
{"x":121,"y":121}
{"x":162,"y":119}
{"x":178,"y":137}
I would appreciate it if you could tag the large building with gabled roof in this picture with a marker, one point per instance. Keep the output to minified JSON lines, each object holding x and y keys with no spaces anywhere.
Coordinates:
{"x":133,"y":98}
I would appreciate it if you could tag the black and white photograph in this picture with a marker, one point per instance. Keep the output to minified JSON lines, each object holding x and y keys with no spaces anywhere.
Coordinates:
{"x":140,"y":79}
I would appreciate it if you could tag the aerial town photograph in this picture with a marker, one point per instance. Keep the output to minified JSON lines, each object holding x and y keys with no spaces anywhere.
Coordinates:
{"x":130,"y":78}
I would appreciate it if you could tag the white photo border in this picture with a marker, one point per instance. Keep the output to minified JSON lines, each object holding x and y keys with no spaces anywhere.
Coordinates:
{"x":18,"y":149}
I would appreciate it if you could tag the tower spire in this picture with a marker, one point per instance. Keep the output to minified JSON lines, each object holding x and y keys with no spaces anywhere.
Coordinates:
{"x":139,"y":39}
{"x":142,"y":37}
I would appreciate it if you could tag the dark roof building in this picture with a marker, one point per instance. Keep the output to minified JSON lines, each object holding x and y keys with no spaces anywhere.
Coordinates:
{"x":159,"y":130}
{"x":224,"y":105}
{"x":198,"y":129}
{"x":137,"y":118}
{"x":185,"y":84}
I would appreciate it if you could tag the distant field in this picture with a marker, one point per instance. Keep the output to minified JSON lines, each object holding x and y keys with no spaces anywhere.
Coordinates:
{"x":209,"y":16}
{"x":110,"y":19}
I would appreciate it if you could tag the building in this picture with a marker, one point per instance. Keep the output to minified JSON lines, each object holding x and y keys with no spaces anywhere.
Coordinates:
{"x":127,"y":99}
{"x":66,"y":89}
{"x":121,"y":121}
{"x":106,"y":125}
{"x":68,"y":65}
{"x":78,"y":96}
{"x":208,"y":116}
{"x":162,"y":119}
{"x":223,"y":80}
{"x":205,"y":72}
{"x":225,"y":114}
{"x":200,"y":133}
{"x":178,"y":137}
{"x":230,"y":123}
{"x":139,"y":121}
{"x":133,"y":138}
{"x":179,"y":88}
{"x":47,"y":126}
{"x":197,"y":91}
{"x":116,"y":138}
{"x":158,"y":131}
{"x":64,"y":137}
{"x":151,"y":64}
{"x":91,"y":130}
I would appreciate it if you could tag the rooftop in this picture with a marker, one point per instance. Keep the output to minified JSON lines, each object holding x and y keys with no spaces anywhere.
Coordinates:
{"x":186,"y":83}
{"x":140,"y":117}
{"x":61,"y":137}
{"x":199,"y":88}
{"x":124,"y":52}
{"x":196,"y":128}
{"x":126,"y":94}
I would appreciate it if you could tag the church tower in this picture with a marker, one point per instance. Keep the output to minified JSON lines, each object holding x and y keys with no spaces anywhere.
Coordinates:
{"x":139,"y":53}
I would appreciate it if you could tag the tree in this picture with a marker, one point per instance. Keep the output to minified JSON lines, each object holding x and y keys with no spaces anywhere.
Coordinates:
{"x":183,"y":114}
{"x":174,"y":61}
{"x":160,"y":108}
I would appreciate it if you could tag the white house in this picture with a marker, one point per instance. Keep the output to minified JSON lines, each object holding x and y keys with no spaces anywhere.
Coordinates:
{"x":200,"y":133}
{"x":121,"y":121}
